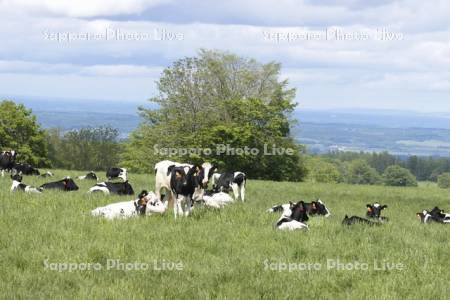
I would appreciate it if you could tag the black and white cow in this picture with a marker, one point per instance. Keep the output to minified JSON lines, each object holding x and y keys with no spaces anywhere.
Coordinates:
{"x":358,"y":220}
{"x":235,"y":181}
{"x":17,"y":185}
{"x":163,"y":176}
{"x":374,"y":212}
{"x":67,"y":184}
{"x":25,"y":169}
{"x":89,"y":176}
{"x":7,"y":160}
{"x":112,"y":173}
{"x":186,"y":187}
{"x":145,"y":204}
{"x":435,"y":215}
{"x":314,"y":208}
{"x":297,"y":218}
{"x":119,"y":188}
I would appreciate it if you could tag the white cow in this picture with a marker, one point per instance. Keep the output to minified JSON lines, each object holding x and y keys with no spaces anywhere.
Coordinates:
{"x":217,"y":200}
{"x":146,"y":203}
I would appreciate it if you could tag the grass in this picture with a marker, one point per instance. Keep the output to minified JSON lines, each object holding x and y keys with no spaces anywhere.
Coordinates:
{"x":224,"y":253}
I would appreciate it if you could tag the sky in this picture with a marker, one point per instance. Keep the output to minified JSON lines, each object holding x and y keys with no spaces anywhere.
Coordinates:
{"x":349,"y":54}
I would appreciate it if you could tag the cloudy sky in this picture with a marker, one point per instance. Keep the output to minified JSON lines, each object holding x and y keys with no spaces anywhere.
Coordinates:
{"x":338,"y":54}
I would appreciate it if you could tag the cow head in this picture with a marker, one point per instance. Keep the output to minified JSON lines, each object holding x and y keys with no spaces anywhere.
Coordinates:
{"x":16,"y":177}
{"x":423,"y":216}
{"x":319,"y":208}
{"x":141,"y":202}
{"x":205,"y":173}
{"x":299,"y":212}
{"x":374,"y":210}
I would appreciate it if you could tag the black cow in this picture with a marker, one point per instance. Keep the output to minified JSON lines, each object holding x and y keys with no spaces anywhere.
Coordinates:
{"x":374,"y":212}
{"x":186,"y":187}
{"x":358,"y":220}
{"x":230,"y":180}
{"x":317,"y":208}
{"x":7,"y":160}
{"x":67,"y":184}
{"x":89,"y":176}
{"x":17,"y":185}
{"x":112,"y":173}
{"x":119,"y":188}
{"x":25,"y":169}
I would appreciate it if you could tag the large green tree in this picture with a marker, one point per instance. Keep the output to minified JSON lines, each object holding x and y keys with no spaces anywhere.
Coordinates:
{"x":218,"y":99}
{"x":20,"y":131}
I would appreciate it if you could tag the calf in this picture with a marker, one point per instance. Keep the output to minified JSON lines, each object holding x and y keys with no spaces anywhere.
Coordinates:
{"x":374,"y":212}
{"x":25,"y":169}
{"x":234,"y":180}
{"x":435,"y":215}
{"x":119,"y":188}
{"x":17,"y":185}
{"x":217,"y":200}
{"x":358,"y":220}
{"x":186,"y":188}
{"x":145,"y":204}
{"x":314,"y":208}
{"x":67,"y":184}
{"x":116,"y":173}
{"x":297,"y":218}
{"x":89,"y":176}
{"x":7,"y":160}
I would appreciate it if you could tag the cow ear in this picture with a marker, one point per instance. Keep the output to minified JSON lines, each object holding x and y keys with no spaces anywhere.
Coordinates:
{"x":384,"y":206}
{"x":369,"y":205}
{"x":169,"y":169}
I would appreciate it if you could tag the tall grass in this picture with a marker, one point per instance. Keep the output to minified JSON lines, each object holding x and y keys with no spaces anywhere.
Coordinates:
{"x":224,"y":253}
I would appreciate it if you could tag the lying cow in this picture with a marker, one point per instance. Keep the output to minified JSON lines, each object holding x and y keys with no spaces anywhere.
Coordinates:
{"x":216,"y":200}
{"x":314,"y":208}
{"x":17,"y":185}
{"x":186,"y":187}
{"x":89,"y":176}
{"x":235,"y":181}
{"x":374,"y":212}
{"x":145,"y":204}
{"x":25,"y":169}
{"x":67,"y":184}
{"x":358,"y":220}
{"x":297,"y":218}
{"x":7,"y":160}
{"x":112,"y":173}
{"x":435,"y":215}
{"x":119,"y":188}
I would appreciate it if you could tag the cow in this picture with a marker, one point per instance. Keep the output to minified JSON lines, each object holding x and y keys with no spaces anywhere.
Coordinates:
{"x":17,"y":185}
{"x":297,"y":219}
{"x":145,"y":204}
{"x":435,"y":215}
{"x":235,"y":181}
{"x":25,"y":169}
{"x":67,"y":184}
{"x":374,"y":212}
{"x":163,"y":175}
{"x":216,"y":200}
{"x":314,"y":208}
{"x":114,"y":172}
{"x":7,"y":160}
{"x":119,"y":188}
{"x":89,"y":176}
{"x":358,"y":220}
{"x":186,"y":187}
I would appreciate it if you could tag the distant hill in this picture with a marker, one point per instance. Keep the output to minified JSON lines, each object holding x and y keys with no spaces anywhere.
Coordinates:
{"x":398,"y":132}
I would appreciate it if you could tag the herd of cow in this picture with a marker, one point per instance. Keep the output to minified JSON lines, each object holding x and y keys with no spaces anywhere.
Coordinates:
{"x":185,"y":185}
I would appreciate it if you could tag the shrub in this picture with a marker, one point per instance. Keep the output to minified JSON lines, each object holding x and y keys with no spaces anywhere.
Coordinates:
{"x":398,"y":176}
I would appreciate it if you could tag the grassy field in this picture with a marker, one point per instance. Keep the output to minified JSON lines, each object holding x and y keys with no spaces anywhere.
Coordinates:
{"x":229,"y":254}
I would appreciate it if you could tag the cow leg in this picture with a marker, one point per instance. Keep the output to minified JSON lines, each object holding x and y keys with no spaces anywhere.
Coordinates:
{"x":242,"y":192}
{"x":188,"y":206}
{"x":3,"y":173}
{"x":235,"y":189}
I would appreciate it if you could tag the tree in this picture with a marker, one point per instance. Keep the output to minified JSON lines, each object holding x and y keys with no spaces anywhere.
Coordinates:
{"x":20,"y":131}
{"x":360,"y":172}
{"x":219,"y":99}
{"x":84,"y":149}
{"x":398,"y":176}
{"x":444,"y":180}
{"x":320,"y":170}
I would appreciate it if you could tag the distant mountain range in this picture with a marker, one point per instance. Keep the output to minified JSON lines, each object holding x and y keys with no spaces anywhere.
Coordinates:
{"x":399,"y":132}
